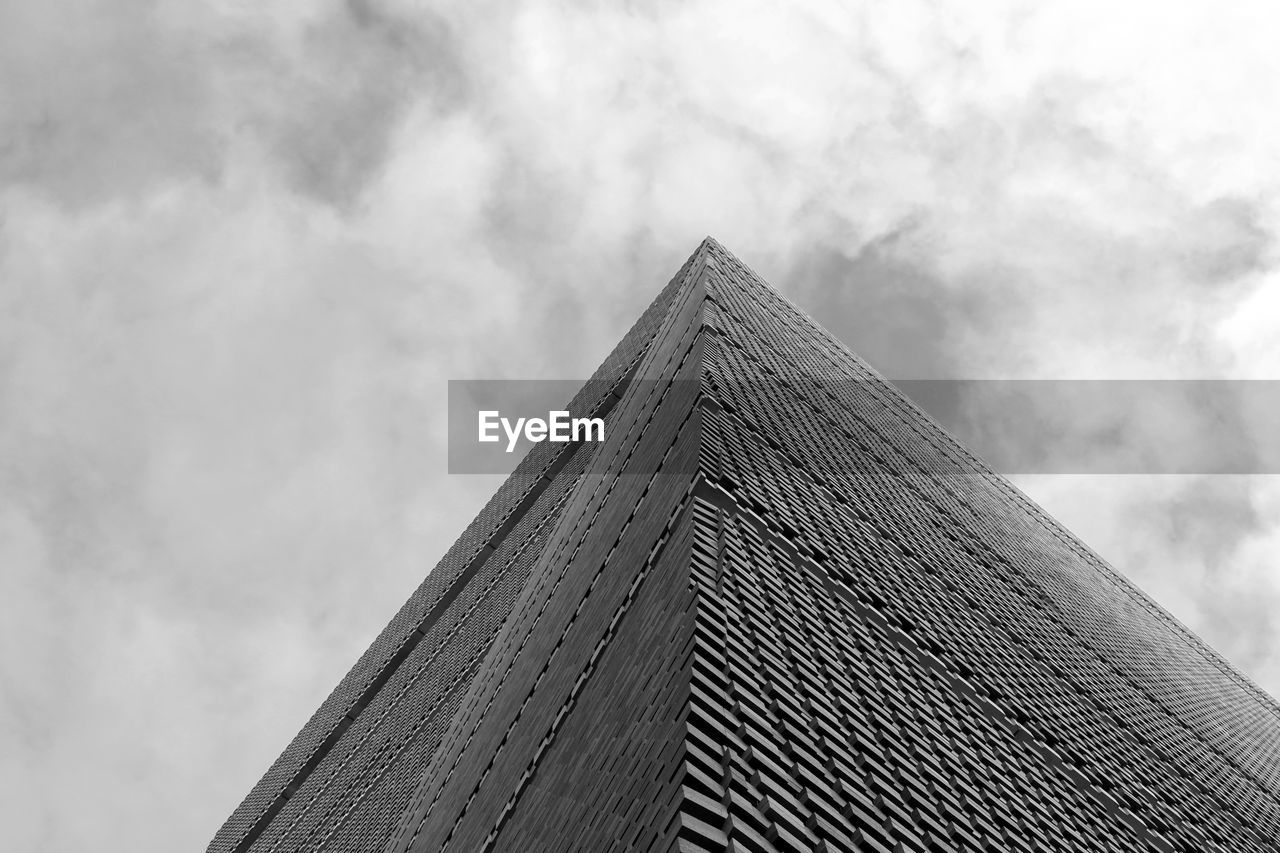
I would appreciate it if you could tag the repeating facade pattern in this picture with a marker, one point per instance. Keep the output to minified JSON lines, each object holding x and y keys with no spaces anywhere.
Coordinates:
{"x":778,"y":609}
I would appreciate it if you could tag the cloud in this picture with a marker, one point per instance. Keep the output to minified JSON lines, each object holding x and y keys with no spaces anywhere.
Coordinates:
{"x":879,"y":299}
{"x":355,"y":76}
{"x":1202,"y":545}
{"x":101,"y":101}
{"x":243,"y":247}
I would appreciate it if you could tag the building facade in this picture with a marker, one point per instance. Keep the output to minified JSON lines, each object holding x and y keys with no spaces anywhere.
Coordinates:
{"x":776,"y":609}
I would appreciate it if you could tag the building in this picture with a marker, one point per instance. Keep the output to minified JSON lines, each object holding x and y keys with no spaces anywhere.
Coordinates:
{"x":776,"y":609}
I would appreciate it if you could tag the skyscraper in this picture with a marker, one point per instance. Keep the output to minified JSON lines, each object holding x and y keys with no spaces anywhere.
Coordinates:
{"x":775,"y":609}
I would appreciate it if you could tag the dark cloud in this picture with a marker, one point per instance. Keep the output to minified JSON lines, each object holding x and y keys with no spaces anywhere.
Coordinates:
{"x":104,"y":108}
{"x":1224,"y":241}
{"x":131,"y":98}
{"x":362,"y":70}
{"x":1210,"y":519}
{"x":897,"y":314}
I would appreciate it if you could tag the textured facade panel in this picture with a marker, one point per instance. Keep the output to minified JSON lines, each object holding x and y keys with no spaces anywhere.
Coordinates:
{"x":778,"y":609}
{"x":611,"y":526}
{"x":626,"y":719}
{"x":383,"y":750}
{"x":258,"y":813}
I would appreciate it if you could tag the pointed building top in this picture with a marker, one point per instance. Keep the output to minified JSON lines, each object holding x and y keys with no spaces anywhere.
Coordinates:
{"x":762,"y":586}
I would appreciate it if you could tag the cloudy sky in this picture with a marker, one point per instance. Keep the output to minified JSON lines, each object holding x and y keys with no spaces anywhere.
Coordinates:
{"x":243,"y":246}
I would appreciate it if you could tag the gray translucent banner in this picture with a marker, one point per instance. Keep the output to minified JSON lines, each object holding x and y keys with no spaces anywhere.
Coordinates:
{"x":1015,"y":426}
{"x":517,"y":401}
